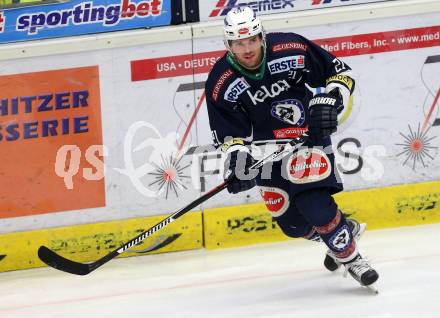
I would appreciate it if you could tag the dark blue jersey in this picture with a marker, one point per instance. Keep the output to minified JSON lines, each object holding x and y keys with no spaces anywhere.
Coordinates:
{"x":271,"y":104}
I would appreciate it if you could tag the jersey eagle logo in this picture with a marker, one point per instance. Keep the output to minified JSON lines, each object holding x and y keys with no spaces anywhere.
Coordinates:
{"x":290,"y":111}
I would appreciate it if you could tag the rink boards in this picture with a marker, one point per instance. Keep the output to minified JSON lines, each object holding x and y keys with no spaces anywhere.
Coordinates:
{"x":402,"y":205}
{"x":89,"y":242}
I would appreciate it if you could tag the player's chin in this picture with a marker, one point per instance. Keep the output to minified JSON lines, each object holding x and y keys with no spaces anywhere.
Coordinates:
{"x":250,"y":63}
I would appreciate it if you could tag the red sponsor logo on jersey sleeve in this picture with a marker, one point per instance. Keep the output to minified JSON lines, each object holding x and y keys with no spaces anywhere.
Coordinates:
{"x":276,"y":200}
{"x":221,"y":81}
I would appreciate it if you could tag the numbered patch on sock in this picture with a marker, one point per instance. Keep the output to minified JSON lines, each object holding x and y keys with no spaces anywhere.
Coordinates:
{"x":341,"y":239}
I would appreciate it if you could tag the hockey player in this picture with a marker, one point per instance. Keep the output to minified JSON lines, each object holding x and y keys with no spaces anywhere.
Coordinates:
{"x":278,"y":86}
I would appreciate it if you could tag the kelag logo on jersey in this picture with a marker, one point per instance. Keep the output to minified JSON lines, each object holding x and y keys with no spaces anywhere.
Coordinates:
{"x":273,"y":91}
{"x":224,"y":6}
{"x":235,"y":89}
{"x":286,"y":64}
{"x":289,"y":111}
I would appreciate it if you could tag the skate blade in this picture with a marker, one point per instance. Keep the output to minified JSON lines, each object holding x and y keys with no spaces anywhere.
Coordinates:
{"x":363,"y":227}
{"x":372,"y":289}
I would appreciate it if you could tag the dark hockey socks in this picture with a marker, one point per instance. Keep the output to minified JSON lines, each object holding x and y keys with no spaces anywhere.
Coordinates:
{"x":338,"y":237}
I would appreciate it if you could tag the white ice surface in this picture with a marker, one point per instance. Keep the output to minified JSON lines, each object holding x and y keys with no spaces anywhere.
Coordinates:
{"x":272,"y":280}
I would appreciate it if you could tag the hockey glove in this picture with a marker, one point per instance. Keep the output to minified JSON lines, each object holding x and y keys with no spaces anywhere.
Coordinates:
{"x":238,"y":163}
{"x":324,"y":109}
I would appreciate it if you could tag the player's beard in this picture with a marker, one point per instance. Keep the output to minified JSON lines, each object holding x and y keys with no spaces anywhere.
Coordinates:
{"x":251,"y":61}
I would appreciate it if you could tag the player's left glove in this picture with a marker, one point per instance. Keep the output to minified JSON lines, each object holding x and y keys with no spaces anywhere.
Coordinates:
{"x":324,"y":109}
{"x":237,"y":166}
{"x":238,"y":163}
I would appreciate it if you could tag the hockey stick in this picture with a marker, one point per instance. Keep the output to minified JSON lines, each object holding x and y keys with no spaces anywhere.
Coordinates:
{"x":63,"y":264}
{"x":157,"y":245}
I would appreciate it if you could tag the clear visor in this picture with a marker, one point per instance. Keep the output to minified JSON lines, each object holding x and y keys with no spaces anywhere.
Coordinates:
{"x":246,"y":45}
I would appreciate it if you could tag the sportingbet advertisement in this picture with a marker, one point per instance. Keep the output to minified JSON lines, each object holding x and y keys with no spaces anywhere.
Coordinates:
{"x":79,"y":17}
{"x":217,"y":9}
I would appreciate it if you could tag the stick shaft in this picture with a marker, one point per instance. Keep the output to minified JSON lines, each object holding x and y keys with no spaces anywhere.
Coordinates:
{"x":61,"y":263}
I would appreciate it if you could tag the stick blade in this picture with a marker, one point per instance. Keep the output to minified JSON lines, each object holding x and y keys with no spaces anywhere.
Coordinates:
{"x":56,"y":261}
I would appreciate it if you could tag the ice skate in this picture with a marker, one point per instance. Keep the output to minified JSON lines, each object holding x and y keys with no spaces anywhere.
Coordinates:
{"x":361,"y":270}
{"x":357,"y":229}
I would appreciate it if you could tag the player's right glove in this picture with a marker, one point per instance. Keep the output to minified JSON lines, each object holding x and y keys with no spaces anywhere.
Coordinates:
{"x":237,"y":163}
{"x":324,"y":109}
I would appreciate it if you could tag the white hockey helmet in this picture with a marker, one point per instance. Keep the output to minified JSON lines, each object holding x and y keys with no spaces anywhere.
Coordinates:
{"x":241,"y":23}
